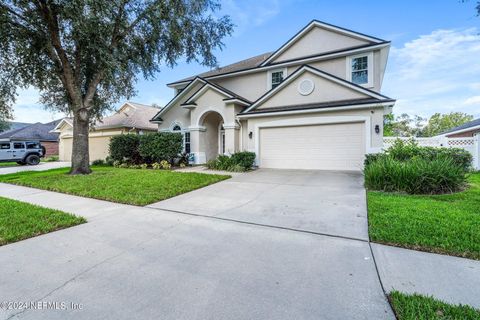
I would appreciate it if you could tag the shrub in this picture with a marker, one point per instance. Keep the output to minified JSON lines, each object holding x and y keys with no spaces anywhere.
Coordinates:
{"x":117,"y":164}
{"x":156,"y":166}
{"x":238,"y":162}
{"x":51,"y":159}
{"x":109,"y":161}
{"x":244,"y":159}
{"x":415,"y":176}
{"x":406,"y":150}
{"x":98,"y":162}
{"x":164,"y":164}
{"x":125,"y":148}
{"x":161,"y":146}
{"x":144,"y":166}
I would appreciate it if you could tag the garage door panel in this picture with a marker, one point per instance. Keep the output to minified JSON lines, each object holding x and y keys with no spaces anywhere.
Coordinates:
{"x":324,"y":147}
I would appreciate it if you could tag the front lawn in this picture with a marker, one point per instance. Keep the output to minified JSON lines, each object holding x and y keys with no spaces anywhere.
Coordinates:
{"x":418,"y":307}
{"x":448,"y":224}
{"x":130,"y":186}
{"x":20,"y":220}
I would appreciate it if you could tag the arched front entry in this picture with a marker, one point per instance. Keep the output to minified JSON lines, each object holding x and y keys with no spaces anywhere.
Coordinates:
{"x":213,"y":135}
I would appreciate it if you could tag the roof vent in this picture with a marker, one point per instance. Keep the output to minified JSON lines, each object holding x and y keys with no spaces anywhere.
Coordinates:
{"x":305,"y":87}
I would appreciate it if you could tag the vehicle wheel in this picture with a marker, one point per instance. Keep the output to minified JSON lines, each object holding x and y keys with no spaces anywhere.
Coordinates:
{"x":21,"y":163}
{"x":33,"y":159}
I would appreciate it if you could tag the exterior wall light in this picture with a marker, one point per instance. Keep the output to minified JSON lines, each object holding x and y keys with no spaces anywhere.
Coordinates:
{"x":377,"y":129}
{"x":250,"y":134}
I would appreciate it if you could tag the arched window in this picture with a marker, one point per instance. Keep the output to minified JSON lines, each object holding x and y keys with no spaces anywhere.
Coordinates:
{"x":176,"y":128}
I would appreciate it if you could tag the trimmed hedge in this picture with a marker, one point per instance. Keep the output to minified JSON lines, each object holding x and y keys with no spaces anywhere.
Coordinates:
{"x":161,"y":146}
{"x":125,"y":148}
{"x":407,"y":167}
{"x":152,"y":147}
{"x":237,"y":162}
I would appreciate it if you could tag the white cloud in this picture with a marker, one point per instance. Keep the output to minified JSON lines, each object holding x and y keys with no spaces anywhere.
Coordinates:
{"x":250,"y":13}
{"x":472,"y":100}
{"x":437,"y":72}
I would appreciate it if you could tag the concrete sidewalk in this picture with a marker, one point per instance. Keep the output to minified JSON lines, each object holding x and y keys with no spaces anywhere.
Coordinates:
{"x":40,"y":167}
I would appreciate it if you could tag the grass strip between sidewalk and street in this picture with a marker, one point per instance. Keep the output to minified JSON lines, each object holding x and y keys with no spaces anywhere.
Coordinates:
{"x":20,"y":220}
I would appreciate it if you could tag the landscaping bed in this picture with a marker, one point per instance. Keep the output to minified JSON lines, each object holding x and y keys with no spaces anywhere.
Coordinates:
{"x":129,"y":186}
{"x":20,"y":220}
{"x":418,"y":307}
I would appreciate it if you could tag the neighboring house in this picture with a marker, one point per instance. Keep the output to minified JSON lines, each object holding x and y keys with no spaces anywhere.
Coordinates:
{"x":36,"y":131}
{"x":314,"y":103}
{"x":468,"y":129}
{"x":130,"y":118}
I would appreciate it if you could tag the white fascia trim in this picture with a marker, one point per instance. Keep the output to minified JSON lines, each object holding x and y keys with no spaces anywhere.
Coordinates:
{"x":336,"y":108}
{"x":320,"y":74}
{"x":370,"y":70}
{"x":237,"y":101}
{"x":313,"y":121}
{"x":205,"y":88}
{"x":310,"y":27}
{"x":178,"y":96}
{"x":60,"y":124}
{"x":462,"y":130}
{"x":292,"y":63}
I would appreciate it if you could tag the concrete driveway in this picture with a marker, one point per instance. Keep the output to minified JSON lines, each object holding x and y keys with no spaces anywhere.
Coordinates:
{"x":324,"y":202}
{"x":132,"y":262}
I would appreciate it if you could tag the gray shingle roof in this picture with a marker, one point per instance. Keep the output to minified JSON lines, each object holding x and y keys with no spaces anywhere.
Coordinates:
{"x":36,"y":131}
{"x":466,"y":125}
{"x":240,"y":65}
{"x":137,"y":117}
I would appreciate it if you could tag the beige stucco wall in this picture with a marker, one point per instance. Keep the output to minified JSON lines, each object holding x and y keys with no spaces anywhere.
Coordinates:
{"x":98,"y":142}
{"x":318,"y":41}
{"x":324,"y":91}
{"x":374,"y":114}
{"x":178,"y":114}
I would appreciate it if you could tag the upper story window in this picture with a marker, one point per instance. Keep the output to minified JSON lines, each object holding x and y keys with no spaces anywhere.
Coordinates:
{"x":275,"y":77}
{"x":360,"y":69}
{"x":176,"y":128}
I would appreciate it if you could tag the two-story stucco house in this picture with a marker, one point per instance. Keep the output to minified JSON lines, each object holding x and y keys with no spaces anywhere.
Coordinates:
{"x":314,"y":103}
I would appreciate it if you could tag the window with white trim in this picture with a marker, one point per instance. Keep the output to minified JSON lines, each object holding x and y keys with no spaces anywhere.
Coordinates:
{"x":275,"y":77}
{"x":360,"y":69}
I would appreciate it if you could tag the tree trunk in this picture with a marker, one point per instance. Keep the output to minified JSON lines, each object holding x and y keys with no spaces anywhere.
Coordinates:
{"x":80,"y":156}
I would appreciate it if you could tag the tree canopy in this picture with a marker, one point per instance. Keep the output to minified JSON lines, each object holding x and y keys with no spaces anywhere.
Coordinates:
{"x":85,"y":55}
{"x":416,"y":126}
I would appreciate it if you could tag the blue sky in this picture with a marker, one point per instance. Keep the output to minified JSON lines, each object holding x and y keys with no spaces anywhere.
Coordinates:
{"x":433,"y":66}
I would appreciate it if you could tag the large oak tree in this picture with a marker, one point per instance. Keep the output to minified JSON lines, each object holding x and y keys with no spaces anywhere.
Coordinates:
{"x":85,"y":55}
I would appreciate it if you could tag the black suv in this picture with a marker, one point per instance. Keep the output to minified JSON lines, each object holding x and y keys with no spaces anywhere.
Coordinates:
{"x":23,"y":152}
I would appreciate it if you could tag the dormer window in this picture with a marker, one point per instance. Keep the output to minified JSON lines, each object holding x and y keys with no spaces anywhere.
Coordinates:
{"x":360,"y":69}
{"x":275,"y":77}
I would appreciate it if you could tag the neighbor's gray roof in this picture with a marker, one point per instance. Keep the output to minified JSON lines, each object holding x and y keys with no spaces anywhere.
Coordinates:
{"x":36,"y":131}
{"x":240,"y":65}
{"x":466,"y":125}
{"x":137,"y":117}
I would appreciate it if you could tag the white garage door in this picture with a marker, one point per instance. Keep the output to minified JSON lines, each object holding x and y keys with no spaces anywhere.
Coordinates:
{"x":323,"y":147}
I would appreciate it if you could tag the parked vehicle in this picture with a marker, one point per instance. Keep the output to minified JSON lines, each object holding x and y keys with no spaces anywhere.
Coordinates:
{"x":23,"y":152}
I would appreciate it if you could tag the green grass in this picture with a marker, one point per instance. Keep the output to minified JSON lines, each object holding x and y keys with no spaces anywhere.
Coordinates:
{"x":130,"y":186}
{"x":8,"y":164}
{"x":20,"y":220}
{"x":447,"y":224}
{"x":418,"y":307}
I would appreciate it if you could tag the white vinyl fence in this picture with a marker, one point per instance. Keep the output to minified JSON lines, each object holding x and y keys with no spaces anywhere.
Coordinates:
{"x":472,"y":145}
